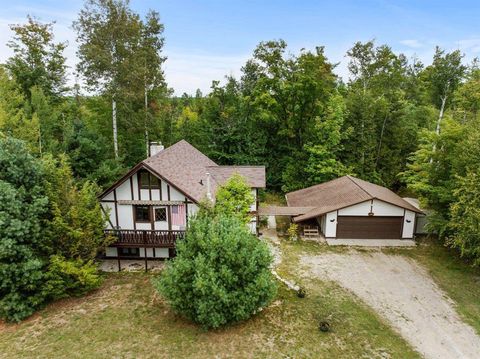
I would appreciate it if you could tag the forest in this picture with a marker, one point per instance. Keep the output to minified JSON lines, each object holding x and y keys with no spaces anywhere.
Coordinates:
{"x":395,"y":121}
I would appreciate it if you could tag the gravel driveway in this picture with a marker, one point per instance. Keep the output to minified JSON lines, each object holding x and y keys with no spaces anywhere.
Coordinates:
{"x":402,"y":291}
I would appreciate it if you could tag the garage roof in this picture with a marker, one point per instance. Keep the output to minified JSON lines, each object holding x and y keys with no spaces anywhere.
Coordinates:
{"x":283,"y":211}
{"x":340,"y":193}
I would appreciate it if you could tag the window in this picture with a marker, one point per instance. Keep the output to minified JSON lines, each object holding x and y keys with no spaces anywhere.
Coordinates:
{"x":129,"y":252}
{"x":148,"y":180}
{"x":154,"y":182}
{"x":160,"y":214}
{"x":142,"y":214}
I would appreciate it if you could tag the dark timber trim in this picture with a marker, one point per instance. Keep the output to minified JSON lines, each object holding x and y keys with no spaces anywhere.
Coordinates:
{"x":134,"y":218}
{"x":169,"y":217}
{"x":116,"y":206}
{"x":152,"y":219}
{"x":149,"y":187}
{"x":131,"y":188}
{"x":161,"y":189}
{"x":186,"y":211}
{"x":138,"y":186}
{"x":105,"y":214}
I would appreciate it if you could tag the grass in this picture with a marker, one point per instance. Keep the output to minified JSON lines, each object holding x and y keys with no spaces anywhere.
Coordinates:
{"x":126,"y":319}
{"x":453,"y":275}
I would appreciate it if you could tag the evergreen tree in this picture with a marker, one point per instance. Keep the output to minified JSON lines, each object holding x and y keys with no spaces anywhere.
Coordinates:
{"x":23,"y":244}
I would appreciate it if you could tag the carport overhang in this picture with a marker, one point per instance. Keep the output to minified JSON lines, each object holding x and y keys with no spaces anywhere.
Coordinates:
{"x":283,"y":211}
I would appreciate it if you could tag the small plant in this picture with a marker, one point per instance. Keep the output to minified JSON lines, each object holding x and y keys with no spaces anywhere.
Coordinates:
{"x":301,"y":293}
{"x":292,"y":232}
{"x":324,"y":326}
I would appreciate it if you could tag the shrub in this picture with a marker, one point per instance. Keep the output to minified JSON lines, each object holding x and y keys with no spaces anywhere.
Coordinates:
{"x":72,"y":277}
{"x":465,"y":217}
{"x":292,"y":232}
{"x":235,"y":198}
{"x":221,"y":273}
{"x":77,"y":221}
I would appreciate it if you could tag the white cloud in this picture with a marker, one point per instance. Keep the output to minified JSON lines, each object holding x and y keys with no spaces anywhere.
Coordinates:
{"x":188,"y":70}
{"x":469,"y":45}
{"x":415,"y":44}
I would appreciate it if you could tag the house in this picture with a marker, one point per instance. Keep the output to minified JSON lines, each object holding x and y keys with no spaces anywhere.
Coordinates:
{"x":350,"y":208}
{"x":149,"y":207}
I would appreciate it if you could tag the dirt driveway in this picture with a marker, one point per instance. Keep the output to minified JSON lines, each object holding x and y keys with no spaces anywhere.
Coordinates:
{"x":401,"y":291}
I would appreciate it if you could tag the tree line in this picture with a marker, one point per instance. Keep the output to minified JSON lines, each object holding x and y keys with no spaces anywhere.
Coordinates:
{"x":396,"y":121}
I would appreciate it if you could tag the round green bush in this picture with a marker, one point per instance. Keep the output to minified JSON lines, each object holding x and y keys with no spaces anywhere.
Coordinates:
{"x":221,"y":273}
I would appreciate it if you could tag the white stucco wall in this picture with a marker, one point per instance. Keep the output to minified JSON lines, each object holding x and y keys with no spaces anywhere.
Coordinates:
{"x":125,"y":216}
{"x":253,"y":206}
{"x":111,"y":252}
{"x":159,"y":252}
{"x":379,"y":208}
{"x":109,"y":208}
{"x":123,"y":191}
{"x":109,"y":197}
{"x":359,"y":209}
{"x":175,"y":195}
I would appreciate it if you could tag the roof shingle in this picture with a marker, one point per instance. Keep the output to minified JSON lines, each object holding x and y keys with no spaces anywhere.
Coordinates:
{"x":186,"y":167}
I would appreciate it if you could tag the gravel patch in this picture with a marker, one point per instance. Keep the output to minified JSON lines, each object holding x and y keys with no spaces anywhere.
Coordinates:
{"x":403,"y":292}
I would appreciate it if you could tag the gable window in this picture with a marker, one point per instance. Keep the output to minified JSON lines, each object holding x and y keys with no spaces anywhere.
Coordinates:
{"x":160,"y":214}
{"x":148,"y":180}
{"x":142,"y":214}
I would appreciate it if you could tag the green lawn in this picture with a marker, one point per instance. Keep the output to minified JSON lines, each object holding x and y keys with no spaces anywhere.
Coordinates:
{"x":126,"y":319}
{"x":456,"y":277}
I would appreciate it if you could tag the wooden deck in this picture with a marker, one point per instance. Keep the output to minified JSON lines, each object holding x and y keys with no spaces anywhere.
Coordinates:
{"x":144,"y":238}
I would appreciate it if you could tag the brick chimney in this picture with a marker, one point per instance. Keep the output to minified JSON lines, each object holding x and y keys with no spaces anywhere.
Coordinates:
{"x":154,"y":148}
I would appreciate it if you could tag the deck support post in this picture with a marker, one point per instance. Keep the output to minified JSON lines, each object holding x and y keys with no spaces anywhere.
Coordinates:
{"x":145,"y":250}
{"x":119,"y":265}
{"x":146,"y":261}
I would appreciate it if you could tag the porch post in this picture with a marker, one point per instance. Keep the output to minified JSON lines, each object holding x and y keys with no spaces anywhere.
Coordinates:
{"x":145,"y":250}
{"x":146,"y":261}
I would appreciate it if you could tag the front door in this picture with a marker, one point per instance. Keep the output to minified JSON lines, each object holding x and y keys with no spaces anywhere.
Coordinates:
{"x":160,"y":217}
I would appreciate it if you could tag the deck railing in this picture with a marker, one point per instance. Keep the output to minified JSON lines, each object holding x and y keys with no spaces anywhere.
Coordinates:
{"x":144,"y":238}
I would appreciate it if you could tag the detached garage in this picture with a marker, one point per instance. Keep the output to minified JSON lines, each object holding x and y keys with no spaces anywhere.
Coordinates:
{"x":350,"y":208}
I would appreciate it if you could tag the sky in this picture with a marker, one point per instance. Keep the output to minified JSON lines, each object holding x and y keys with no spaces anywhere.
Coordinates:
{"x":206,"y":40}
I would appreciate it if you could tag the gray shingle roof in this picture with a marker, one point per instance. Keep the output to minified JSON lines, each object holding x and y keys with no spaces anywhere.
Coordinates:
{"x":254,"y":175}
{"x":186,"y":168}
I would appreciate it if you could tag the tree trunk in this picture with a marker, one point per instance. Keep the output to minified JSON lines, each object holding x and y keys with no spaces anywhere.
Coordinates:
{"x":440,"y":116}
{"x":381,"y":139}
{"x":146,"y":122}
{"x":114,"y":123}
{"x":439,"y":121}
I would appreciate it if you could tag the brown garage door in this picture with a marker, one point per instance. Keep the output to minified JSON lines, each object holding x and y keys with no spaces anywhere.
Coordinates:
{"x":369,"y":227}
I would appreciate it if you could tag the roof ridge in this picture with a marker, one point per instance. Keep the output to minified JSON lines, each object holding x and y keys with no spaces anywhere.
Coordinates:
{"x":351,"y":178}
{"x":164,"y":150}
{"x":224,"y":166}
{"x":312,"y":186}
